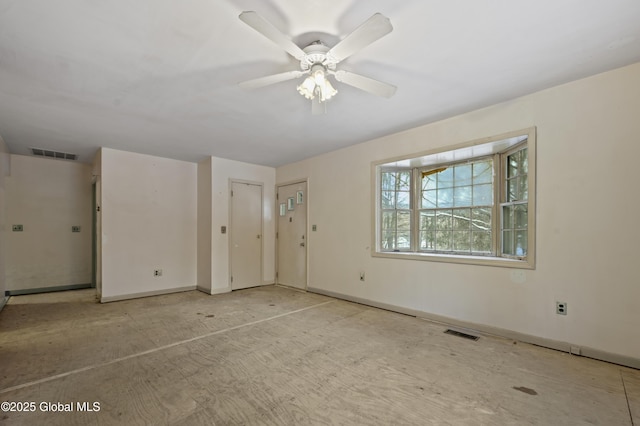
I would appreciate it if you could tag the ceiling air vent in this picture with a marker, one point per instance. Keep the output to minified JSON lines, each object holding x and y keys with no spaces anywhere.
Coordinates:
{"x":53,"y":154}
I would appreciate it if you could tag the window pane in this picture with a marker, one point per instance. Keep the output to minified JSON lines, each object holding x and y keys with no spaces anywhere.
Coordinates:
{"x":462,"y":175}
{"x":482,"y":172}
{"x":481,"y":219}
{"x":429,"y":199}
{"x":507,"y":243}
{"x":389,"y":180}
{"x":404,"y":240}
{"x":462,"y":196}
{"x":462,"y":241}
{"x":521,"y":243}
{"x":427,"y":240}
{"x":388,"y":240}
{"x":523,"y":188}
{"x":403,"y":199}
{"x":388,"y":199}
{"x":483,"y":195}
{"x":445,"y":178}
{"x":481,"y":242}
{"x":445,"y":197}
{"x":443,"y":220}
{"x":429,"y":182}
{"x":461,"y":219}
{"x":388,"y":221}
{"x":443,"y":240}
{"x":525,"y":161}
{"x":512,"y":189}
{"x":428,"y":220}
{"x":404,"y":220}
{"x":404,"y":181}
{"x":507,"y":217}
{"x":520,"y":216}
{"x":513,"y":164}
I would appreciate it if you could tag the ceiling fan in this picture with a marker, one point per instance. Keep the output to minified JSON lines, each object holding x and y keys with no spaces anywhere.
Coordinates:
{"x":318,"y":61}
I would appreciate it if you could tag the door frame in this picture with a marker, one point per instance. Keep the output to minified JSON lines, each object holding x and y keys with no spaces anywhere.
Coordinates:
{"x":230,"y":230}
{"x":307,"y":240}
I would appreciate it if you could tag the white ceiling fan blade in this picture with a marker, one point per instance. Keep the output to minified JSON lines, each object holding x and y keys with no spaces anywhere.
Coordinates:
{"x":317,"y":107}
{"x":256,"y":83}
{"x":365,"y":83}
{"x":371,"y":30}
{"x":267,"y":29}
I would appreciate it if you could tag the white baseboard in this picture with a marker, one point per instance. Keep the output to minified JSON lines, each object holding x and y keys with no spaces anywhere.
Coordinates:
{"x":146,"y":294}
{"x":20,"y":292}
{"x":495,"y":331}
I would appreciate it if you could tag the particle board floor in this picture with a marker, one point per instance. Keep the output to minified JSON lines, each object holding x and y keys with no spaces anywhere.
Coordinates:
{"x":275,"y":356}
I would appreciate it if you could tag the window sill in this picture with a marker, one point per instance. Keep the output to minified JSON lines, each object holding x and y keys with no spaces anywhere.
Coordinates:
{"x":501,"y":262}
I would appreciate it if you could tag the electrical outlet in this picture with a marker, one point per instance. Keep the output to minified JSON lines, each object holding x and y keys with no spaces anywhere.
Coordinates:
{"x":561,"y":308}
{"x":17,"y":228}
{"x":361,"y":276}
{"x":75,"y":228}
{"x":157,"y":272}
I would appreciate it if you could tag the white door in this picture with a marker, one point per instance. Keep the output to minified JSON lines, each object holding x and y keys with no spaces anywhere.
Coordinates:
{"x":245,"y":235}
{"x":292,"y":235}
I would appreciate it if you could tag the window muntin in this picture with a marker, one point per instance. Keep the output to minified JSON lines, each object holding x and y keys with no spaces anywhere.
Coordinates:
{"x":470,"y":204}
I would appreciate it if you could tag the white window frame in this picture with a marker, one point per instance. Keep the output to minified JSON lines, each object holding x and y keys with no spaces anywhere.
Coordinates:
{"x":497,"y":146}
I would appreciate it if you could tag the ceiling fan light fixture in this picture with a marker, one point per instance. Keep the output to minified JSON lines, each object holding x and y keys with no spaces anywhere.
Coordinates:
{"x":307,"y":88}
{"x":317,"y":84}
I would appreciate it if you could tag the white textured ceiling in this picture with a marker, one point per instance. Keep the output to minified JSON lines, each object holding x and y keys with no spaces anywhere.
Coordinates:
{"x":160,"y":77}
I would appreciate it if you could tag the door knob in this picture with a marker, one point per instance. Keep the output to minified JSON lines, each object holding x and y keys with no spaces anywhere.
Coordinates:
{"x":258,"y":236}
{"x":301,"y":244}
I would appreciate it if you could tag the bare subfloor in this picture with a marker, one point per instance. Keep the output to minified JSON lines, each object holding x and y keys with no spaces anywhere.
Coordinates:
{"x":275,"y":356}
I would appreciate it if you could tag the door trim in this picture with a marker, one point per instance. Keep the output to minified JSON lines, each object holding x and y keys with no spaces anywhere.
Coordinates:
{"x":230,"y":228}
{"x":307,"y":244}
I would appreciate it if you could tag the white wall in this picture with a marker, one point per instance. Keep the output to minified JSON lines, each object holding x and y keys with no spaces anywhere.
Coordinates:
{"x":48,"y":197}
{"x":4,"y":171}
{"x":149,"y":221}
{"x":222,"y":171}
{"x":587,"y":238}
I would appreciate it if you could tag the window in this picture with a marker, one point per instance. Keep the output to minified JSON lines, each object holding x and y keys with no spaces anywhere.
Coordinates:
{"x":455,"y":211}
{"x":470,"y":204}
{"x":396,"y":210}
{"x":515,"y":206}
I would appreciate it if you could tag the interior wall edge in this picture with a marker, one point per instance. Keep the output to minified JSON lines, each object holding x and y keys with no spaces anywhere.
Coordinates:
{"x":147,"y":294}
{"x":597,"y":354}
{"x":224,"y":290}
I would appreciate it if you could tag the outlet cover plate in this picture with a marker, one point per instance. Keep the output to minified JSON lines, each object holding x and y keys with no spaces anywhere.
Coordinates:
{"x":561,"y":308}
{"x":17,"y":228}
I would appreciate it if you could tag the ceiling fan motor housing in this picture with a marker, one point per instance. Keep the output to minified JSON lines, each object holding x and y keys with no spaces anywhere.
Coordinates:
{"x":316,"y":53}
